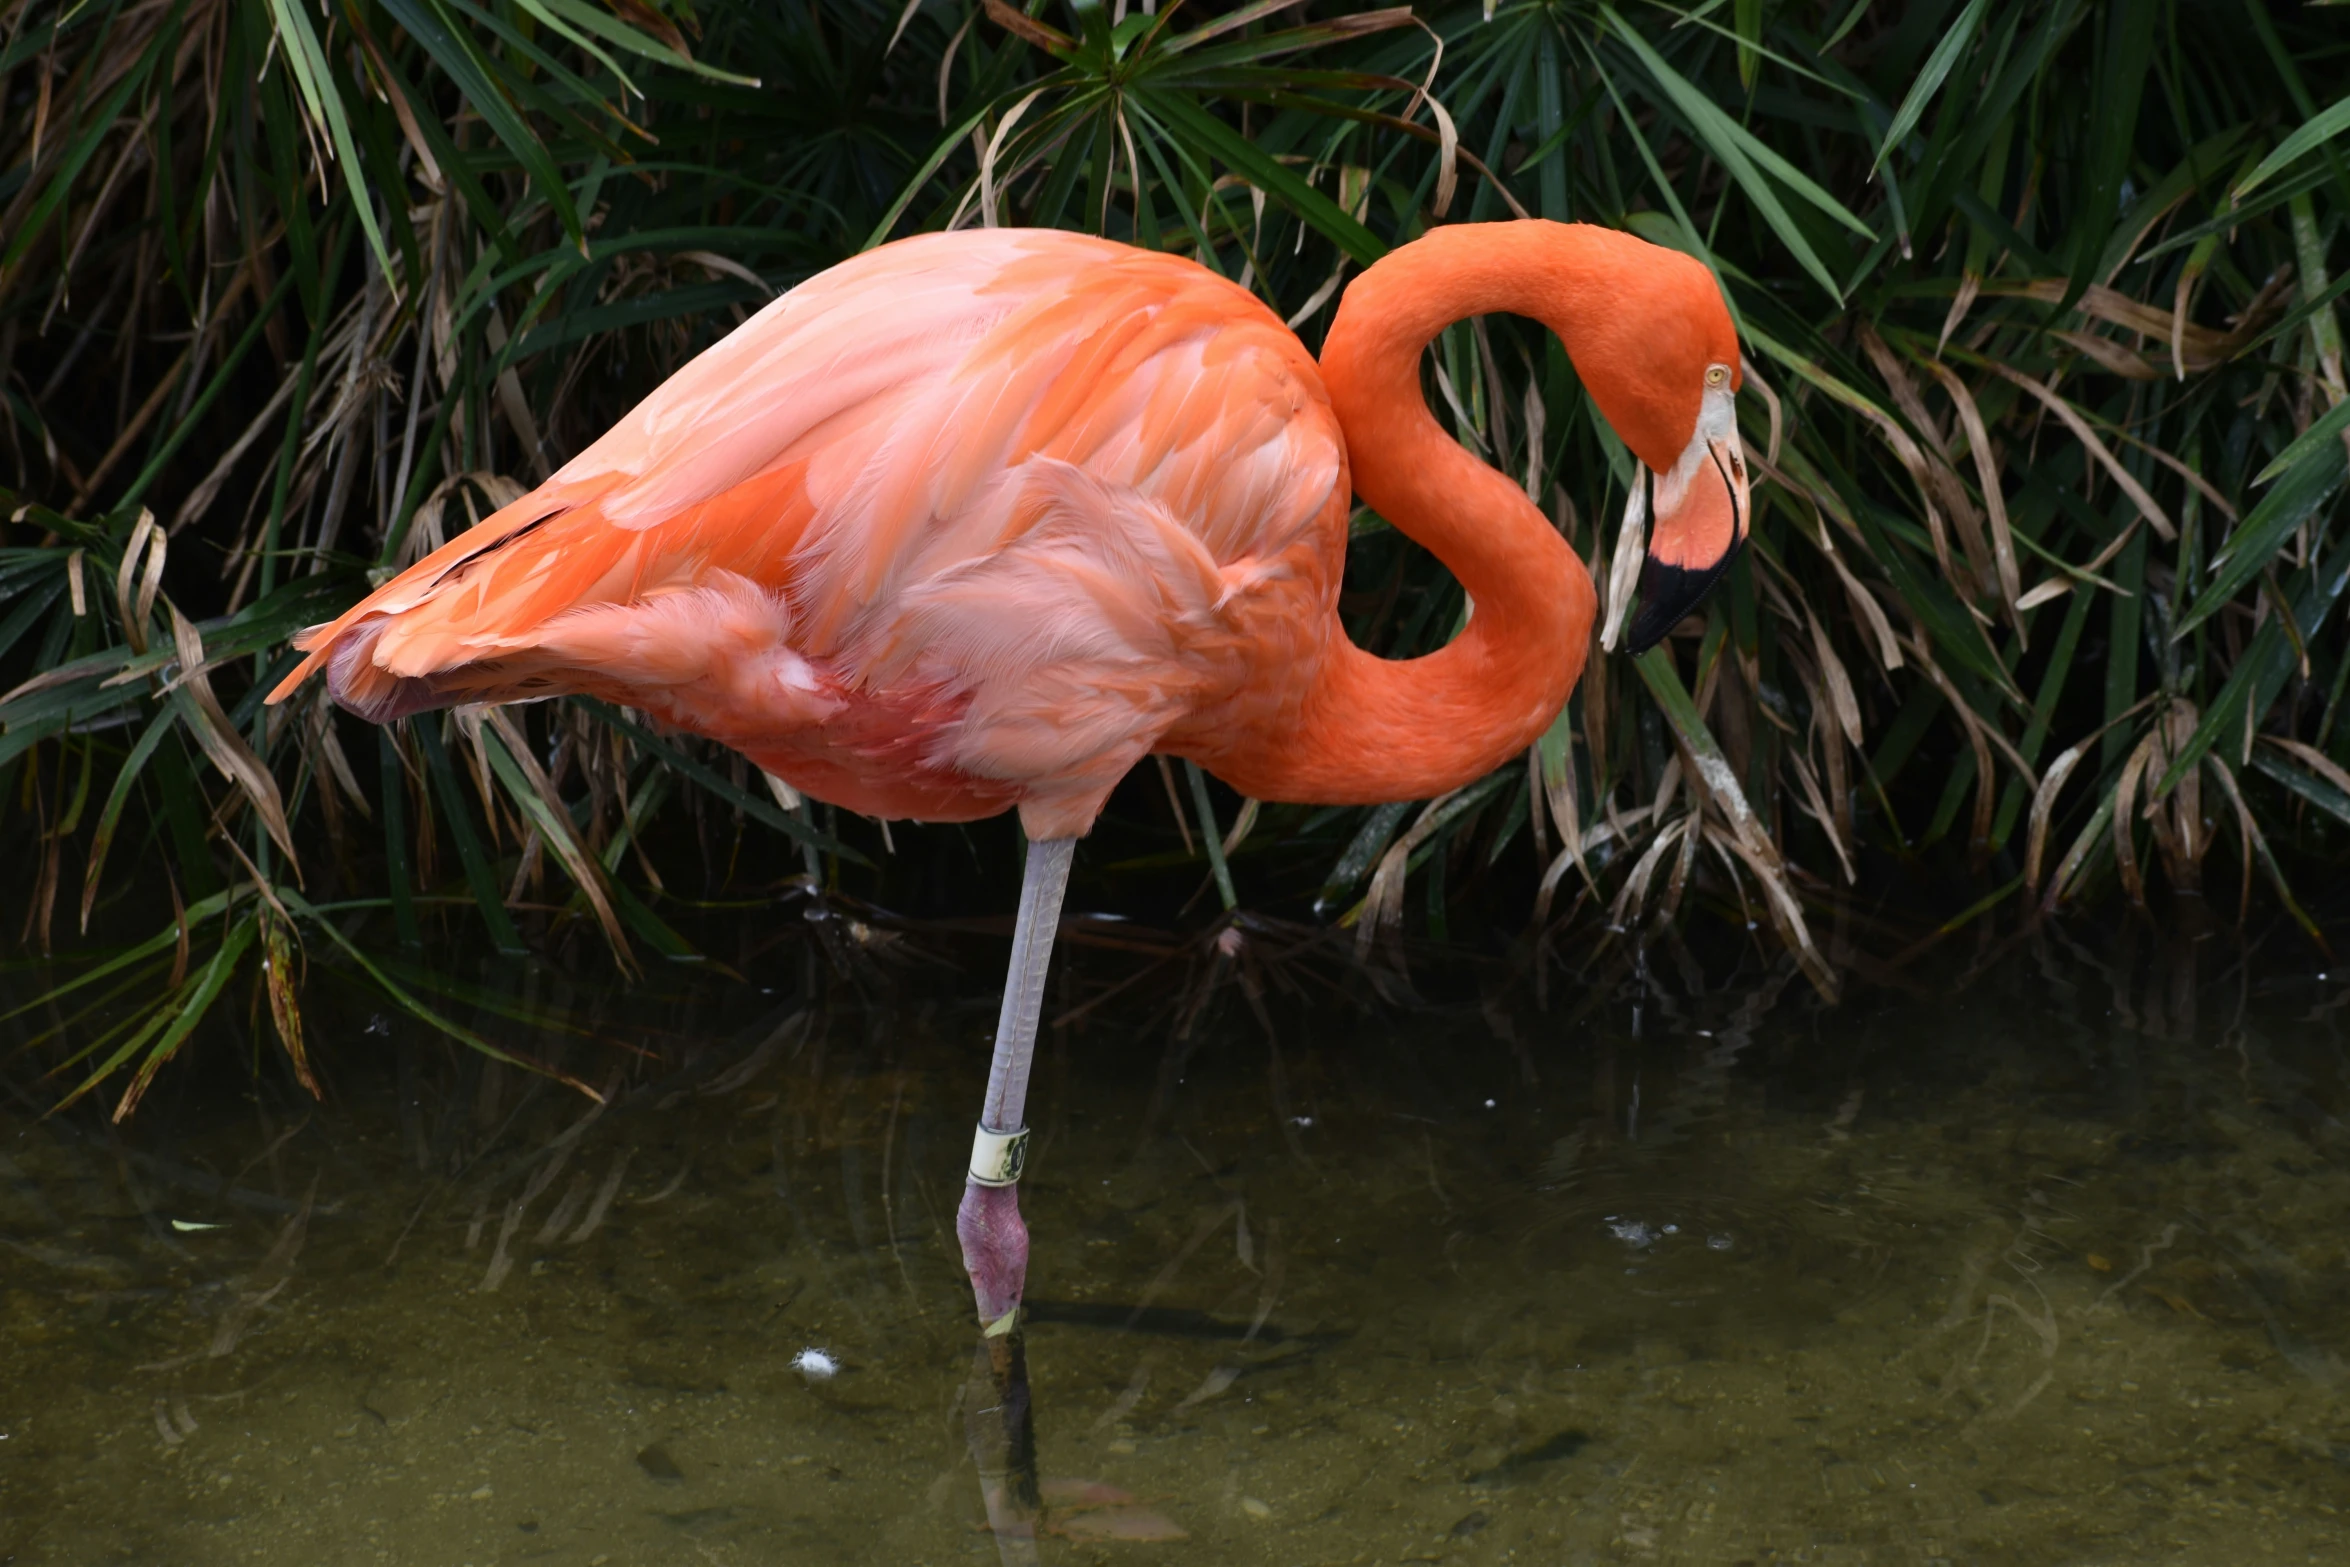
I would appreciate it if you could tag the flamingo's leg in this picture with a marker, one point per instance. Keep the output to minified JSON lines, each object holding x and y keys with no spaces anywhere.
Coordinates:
{"x":995,"y":1242}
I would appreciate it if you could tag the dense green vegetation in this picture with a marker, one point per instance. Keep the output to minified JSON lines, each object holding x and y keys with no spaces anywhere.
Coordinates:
{"x":2047,"y":392}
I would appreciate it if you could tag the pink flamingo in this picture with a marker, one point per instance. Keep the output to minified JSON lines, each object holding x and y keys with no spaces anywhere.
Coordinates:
{"x":978,"y":520}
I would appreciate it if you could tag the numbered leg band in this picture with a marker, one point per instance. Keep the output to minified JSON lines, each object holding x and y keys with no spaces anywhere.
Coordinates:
{"x":997,"y":1158}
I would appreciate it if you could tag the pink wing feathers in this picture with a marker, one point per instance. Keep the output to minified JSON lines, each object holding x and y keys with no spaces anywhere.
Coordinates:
{"x":972,"y":520}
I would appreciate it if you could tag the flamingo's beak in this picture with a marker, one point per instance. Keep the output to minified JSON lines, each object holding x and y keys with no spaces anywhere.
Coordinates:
{"x":1693,"y":542}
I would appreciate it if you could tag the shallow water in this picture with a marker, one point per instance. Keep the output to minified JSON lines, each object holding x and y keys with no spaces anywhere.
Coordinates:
{"x":2045,"y":1263}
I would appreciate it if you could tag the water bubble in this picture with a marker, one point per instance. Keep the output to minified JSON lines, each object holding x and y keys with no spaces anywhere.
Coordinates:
{"x":1632,"y":1232}
{"x":817,"y":1365}
{"x":1719,"y":1241}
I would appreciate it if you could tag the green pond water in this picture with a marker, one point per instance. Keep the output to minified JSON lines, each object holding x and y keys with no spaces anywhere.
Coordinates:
{"x":2045,"y":1260}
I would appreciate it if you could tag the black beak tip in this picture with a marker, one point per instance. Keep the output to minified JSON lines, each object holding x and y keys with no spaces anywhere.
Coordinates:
{"x":1668,"y":594}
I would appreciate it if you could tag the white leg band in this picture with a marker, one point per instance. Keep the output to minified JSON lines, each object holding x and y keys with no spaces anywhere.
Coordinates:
{"x":997,"y":1158}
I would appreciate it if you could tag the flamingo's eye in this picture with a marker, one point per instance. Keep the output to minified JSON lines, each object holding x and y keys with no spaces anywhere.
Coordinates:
{"x":1715,"y":375}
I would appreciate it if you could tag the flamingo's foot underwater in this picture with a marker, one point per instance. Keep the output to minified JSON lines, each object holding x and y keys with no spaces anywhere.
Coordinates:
{"x":995,"y":1253}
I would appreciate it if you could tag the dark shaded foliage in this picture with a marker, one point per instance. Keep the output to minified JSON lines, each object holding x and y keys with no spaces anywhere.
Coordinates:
{"x":2049,"y":404}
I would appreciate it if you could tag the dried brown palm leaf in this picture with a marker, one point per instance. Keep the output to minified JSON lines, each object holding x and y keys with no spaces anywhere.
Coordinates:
{"x":1843,"y":701}
{"x":1986,"y":461}
{"x":468,"y":722}
{"x":1382,"y":906}
{"x":142,"y":560}
{"x":327,"y":744}
{"x":1552,"y":875}
{"x":511,"y":401}
{"x":1751,"y":375}
{"x":2072,"y":419}
{"x":508,"y":750}
{"x":1932,"y":495}
{"x":1922,"y":652}
{"x":2178,"y":820}
{"x":2043,"y":811}
{"x":1814,"y":805}
{"x":2312,"y":758}
{"x":1698,"y":752}
{"x":1970,"y":287}
{"x":1939,"y":472}
{"x":1555,"y":768}
{"x":2076,"y":858}
{"x":2199,"y":348}
{"x":1242,"y":825}
{"x":2258,"y":848}
{"x":280,"y":977}
{"x":1683,"y":863}
{"x":1864,"y":605}
{"x":221,"y":743}
{"x":2125,"y":801}
{"x":1632,"y":898}
{"x":2044,"y":802}
{"x":1786,"y":914}
{"x":2109,"y":355}
{"x":1668,"y":786}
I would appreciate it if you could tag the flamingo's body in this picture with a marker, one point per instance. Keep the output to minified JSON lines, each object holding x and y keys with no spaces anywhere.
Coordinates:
{"x":977,"y":520}
{"x":971,"y":521}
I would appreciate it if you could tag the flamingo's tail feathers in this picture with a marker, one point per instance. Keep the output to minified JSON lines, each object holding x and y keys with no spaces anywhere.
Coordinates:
{"x":437,"y":627}
{"x":360,"y":686}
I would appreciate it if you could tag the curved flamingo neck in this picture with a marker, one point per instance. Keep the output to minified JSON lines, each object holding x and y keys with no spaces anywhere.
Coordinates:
{"x":1377,"y":729}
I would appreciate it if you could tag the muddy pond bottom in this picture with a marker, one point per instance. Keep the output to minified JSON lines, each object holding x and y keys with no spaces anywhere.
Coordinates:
{"x":2047,"y":1264}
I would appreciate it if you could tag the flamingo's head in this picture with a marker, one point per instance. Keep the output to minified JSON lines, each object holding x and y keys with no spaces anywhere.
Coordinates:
{"x":1667,"y":378}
